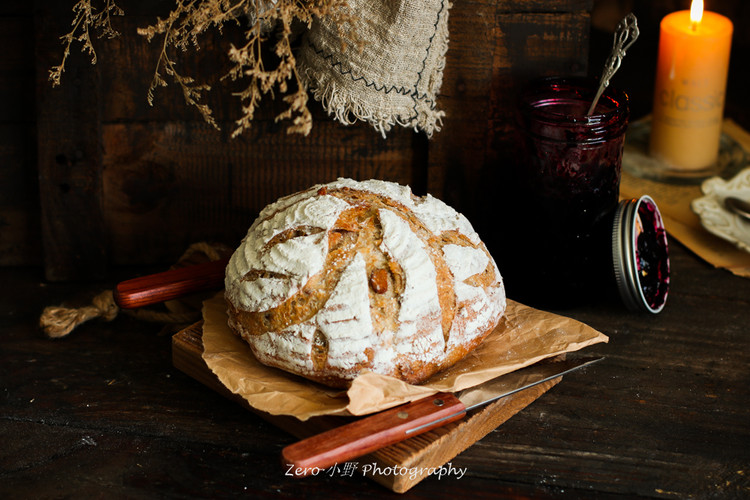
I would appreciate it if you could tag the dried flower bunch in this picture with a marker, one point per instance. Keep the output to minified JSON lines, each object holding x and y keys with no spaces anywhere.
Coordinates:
{"x":266,"y":21}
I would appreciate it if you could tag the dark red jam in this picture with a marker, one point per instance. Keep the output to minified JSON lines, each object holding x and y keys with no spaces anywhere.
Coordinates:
{"x":651,"y":255}
{"x":564,"y":188}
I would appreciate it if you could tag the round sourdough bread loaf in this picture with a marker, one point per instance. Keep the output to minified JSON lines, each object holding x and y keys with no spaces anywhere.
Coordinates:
{"x":353,"y":276}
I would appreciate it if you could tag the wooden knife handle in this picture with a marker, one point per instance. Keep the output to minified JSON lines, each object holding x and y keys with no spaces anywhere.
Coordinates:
{"x":168,"y":285}
{"x":368,"y":434}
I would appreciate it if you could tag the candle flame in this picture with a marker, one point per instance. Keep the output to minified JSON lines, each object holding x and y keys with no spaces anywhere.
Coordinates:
{"x":696,"y":11}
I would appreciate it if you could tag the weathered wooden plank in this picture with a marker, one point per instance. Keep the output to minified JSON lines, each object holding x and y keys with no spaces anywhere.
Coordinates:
{"x":19,"y":196}
{"x":20,"y":233}
{"x":170,"y":180}
{"x":17,"y":70}
{"x":69,"y":158}
{"x":128,"y":62}
{"x":536,"y":6}
{"x":16,"y":9}
{"x":663,"y":416}
{"x":492,"y":54}
{"x":432,"y":449}
{"x":167,"y":185}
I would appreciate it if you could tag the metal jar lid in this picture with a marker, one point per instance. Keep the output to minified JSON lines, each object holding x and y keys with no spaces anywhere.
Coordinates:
{"x":640,"y":255}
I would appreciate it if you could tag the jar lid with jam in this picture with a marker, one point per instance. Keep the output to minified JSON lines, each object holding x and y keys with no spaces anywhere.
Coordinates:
{"x":640,"y":255}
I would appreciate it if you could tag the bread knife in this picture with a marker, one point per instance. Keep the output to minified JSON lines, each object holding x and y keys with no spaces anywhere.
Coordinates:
{"x":171,"y":284}
{"x":368,"y":434}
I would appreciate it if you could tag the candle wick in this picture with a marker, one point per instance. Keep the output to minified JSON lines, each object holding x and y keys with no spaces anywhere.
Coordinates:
{"x":694,"y":25}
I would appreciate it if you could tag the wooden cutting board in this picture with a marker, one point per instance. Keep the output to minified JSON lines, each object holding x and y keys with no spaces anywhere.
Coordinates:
{"x":425,"y":453}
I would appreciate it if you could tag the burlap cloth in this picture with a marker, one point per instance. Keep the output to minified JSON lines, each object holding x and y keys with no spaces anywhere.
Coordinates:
{"x":393,"y":77}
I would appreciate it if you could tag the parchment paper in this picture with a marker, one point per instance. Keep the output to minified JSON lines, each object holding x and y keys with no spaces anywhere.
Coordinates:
{"x":523,"y":337}
{"x":680,"y":221}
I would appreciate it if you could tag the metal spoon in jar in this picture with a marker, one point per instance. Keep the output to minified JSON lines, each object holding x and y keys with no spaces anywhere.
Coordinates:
{"x":625,"y":35}
{"x":738,"y":206}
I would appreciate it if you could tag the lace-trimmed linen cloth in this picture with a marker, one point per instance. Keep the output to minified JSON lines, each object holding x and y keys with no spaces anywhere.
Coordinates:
{"x":395,"y":78}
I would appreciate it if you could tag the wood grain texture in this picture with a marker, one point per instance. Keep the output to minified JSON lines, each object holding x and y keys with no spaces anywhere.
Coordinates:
{"x":167,"y":185}
{"x":20,"y":231}
{"x":166,"y":179}
{"x":103,"y":412}
{"x":365,"y":435}
{"x":146,"y":209}
{"x":494,"y":51}
{"x":69,"y":160}
{"x":425,"y":452}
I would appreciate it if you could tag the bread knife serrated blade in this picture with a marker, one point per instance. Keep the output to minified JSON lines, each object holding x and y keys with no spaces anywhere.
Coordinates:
{"x":397,"y":424}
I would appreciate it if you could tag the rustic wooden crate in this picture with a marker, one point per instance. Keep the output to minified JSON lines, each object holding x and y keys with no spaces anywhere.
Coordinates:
{"x":125,"y":183}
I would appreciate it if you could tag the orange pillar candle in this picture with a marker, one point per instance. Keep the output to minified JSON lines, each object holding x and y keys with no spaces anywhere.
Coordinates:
{"x":691,"y":78}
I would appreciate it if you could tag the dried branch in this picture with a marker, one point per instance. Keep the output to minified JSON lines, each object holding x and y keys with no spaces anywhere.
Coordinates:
{"x":189,"y":19}
{"x":84,"y":20}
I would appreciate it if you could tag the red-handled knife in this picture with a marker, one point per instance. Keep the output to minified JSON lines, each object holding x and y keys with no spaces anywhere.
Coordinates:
{"x":168,"y":285}
{"x":388,"y":427}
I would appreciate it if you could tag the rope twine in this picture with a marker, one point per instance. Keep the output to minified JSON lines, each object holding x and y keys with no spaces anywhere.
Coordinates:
{"x":60,"y":321}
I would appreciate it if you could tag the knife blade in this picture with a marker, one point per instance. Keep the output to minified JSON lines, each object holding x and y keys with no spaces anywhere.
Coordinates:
{"x":397,"y":424}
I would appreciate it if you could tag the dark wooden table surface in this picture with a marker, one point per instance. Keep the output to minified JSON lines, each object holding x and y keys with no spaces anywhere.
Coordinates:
{"x":102,"y":413}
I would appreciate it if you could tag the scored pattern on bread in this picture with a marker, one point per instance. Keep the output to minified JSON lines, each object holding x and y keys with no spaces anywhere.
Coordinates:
{"x":352,"y":275}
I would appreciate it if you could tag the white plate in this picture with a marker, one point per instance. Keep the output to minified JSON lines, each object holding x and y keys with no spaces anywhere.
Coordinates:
{"x":717,"y":219}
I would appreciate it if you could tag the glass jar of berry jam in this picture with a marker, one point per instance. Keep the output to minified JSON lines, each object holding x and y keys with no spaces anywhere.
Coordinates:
{"x":565,"y":185}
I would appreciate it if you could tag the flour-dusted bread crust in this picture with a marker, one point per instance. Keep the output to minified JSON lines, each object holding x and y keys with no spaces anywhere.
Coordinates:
{"x":353,"y":276}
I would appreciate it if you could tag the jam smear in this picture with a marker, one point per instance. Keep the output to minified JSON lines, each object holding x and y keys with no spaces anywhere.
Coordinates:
{"x":652,"y":256}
